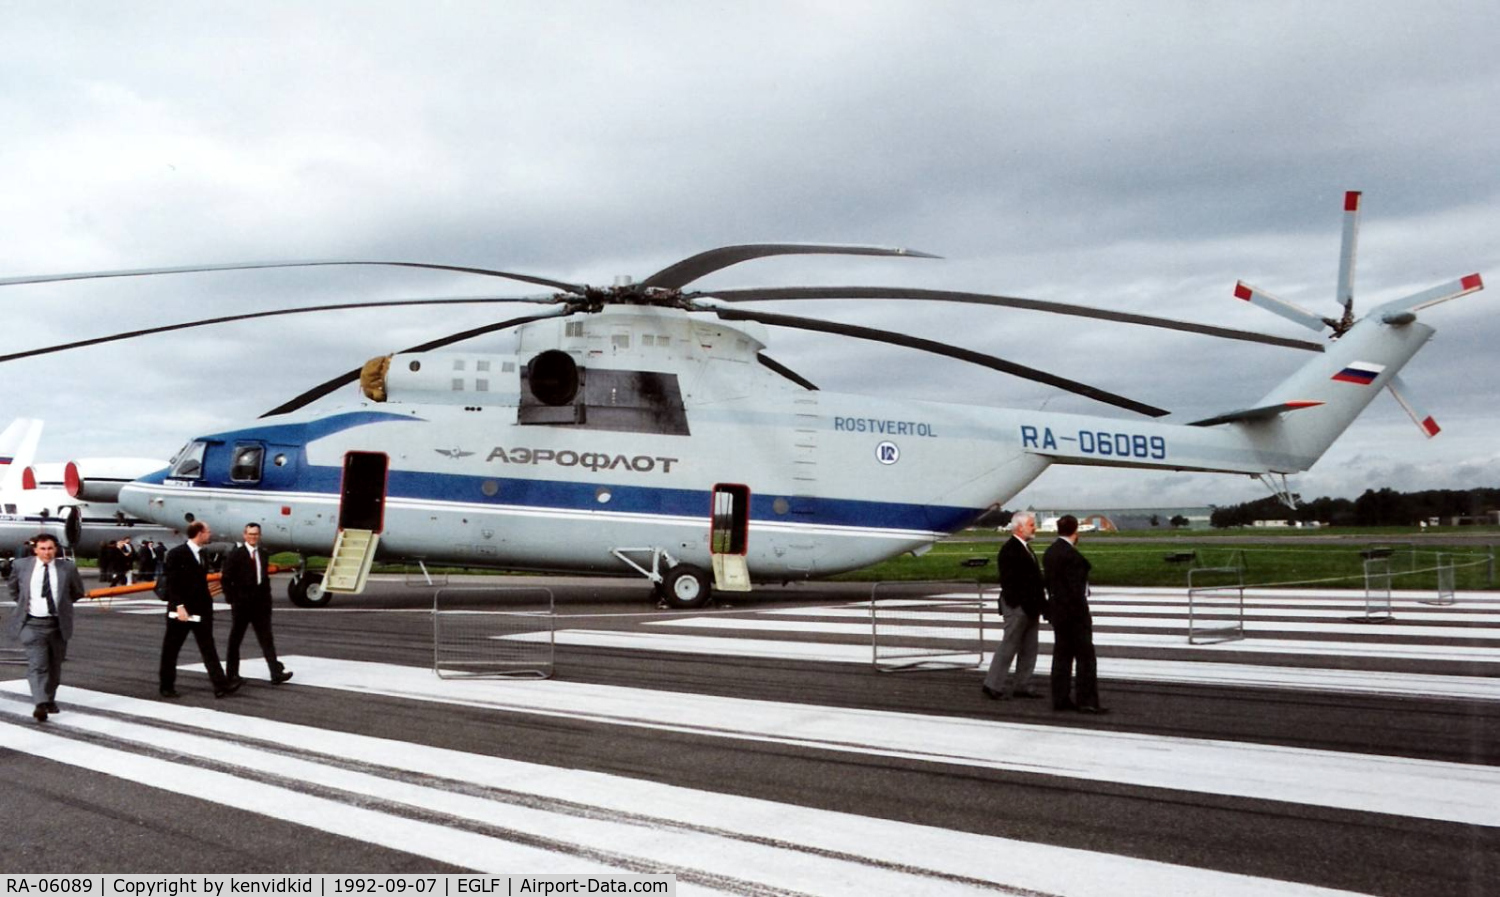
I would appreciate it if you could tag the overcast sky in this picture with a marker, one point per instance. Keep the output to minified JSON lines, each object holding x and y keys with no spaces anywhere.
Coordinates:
{"x":1137,"y":156}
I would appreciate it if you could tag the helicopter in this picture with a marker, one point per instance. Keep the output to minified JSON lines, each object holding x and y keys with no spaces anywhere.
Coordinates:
{"x":641,"y":427}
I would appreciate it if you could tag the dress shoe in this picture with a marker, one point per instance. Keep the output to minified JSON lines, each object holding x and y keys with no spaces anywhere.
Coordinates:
{"x":1068,"y":706}
{"x":1092,"y":708}
{"x":40,"y":713}
{"x":170,"y":693}
{"x":278,"y":678}
{"x":1028,"y":694}
{"x":992,"y":694}
{"x":52,"y":707}
{"x":230,"y":687}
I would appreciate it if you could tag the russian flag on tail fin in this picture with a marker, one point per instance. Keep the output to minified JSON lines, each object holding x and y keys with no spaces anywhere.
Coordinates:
{"x":1360,"y":372}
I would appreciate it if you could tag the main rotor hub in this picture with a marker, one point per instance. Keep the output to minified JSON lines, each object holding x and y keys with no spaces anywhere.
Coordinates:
{"x":593,"y":298}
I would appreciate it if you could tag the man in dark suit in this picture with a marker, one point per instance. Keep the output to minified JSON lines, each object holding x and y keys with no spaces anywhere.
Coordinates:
{"x":44,"y":588}
{"x":247,"y":587}
{"x":1067,"y":574}
{"x":190,"y":609}
{"x":1021,"y":604}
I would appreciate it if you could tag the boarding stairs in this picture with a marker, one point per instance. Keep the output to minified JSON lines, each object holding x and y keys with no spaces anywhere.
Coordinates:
{"x":349,"y":567}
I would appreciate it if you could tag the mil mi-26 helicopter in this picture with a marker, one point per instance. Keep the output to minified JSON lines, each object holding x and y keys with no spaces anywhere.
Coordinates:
{"x":640,"y":427}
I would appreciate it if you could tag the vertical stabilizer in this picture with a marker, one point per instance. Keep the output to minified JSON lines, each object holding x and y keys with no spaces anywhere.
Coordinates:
{"x":17,"y":450}
{"x":1342,"y":382}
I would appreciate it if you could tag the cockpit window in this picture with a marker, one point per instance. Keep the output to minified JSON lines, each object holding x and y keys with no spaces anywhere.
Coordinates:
{"x":188,"y":464}
{"x":246,"y":466}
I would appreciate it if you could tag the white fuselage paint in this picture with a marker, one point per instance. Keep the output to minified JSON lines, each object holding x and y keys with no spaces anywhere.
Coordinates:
{"x":837,"y":481}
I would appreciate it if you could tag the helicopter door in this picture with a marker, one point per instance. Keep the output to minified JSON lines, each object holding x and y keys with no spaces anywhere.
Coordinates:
{"x":362,"y":499}
{"x":729,"y":537}
{"x":361,"y":518}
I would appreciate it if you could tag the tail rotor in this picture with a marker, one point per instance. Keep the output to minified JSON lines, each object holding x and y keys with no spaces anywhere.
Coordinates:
{"x":1396,"y":313}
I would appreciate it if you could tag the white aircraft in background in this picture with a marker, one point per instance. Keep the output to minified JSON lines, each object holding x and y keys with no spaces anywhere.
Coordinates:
{"x":74,"y":501}
{"x":17,"y":448}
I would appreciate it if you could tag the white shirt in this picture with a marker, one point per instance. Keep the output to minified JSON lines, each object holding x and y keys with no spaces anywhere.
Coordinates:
{"x":195,"y":548}
{"x":38,"y":604}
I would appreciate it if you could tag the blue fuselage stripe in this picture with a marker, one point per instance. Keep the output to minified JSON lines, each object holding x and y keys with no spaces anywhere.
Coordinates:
{"x":626,"y":498}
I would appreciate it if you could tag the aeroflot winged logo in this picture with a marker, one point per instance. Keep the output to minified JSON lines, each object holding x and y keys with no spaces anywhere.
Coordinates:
{"x":1361,"y":372}
{"x":454,"y":453}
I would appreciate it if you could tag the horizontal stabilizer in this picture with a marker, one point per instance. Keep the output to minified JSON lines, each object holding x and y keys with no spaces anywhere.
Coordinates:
{"x":1264,"y":412}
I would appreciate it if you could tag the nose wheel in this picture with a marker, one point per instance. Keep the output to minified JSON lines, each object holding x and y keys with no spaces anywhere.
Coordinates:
{"x":307,"y":590}
{"x":686,"y":587}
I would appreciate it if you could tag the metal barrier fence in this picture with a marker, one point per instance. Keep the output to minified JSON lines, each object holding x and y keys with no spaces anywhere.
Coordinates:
{"x":494,"y":633}
{"x":927,"y":625}
{"x":1216,"y":613}
{"x":1377,"y":591}
{"x":1446,"y":578}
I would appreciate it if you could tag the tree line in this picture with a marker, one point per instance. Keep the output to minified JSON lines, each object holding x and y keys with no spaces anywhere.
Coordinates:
{"x":1383,"y":507}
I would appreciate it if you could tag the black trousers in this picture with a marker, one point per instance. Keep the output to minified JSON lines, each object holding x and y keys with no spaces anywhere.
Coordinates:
{"x":177,"y":633}
{"x":258,"y":617}
{"x":1073,"y":642}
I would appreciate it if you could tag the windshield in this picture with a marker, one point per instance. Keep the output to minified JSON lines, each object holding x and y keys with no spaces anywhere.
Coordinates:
{"x":188,"y":463}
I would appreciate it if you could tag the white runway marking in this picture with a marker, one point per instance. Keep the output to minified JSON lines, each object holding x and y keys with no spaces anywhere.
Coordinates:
{"x":1453,"y":792}
{"x":1258,"y":644}
{"x":716,"y":843}
{"x":1482,"y":688}
{"x":1124,"y":615}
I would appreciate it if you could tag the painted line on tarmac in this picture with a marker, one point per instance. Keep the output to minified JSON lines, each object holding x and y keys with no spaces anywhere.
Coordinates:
{"x":1427,"y":789}
{"x":1364,"y":647}
{"x":1339,"y":615}
{"x":1116,"y":669}
{"x":736,"y":845}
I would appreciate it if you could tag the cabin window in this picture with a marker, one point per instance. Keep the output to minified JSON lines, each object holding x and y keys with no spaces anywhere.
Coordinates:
{"x":188,"y":463}
{"x":481,"y":384}
{"x":648,"y":339}
{"x":481,"y":365}
{"x":246,"y":465}
{"x":573,"y":328}
{"x":458,"y":384}
{"x":10,"y":509}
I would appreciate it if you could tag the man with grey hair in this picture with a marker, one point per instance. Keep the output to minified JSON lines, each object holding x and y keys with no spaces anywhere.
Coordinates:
{"x":1021,"y":603}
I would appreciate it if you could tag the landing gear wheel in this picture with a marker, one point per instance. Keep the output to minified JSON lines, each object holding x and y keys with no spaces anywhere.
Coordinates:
{"x":686,"y":587}
{"x":308,"y":591}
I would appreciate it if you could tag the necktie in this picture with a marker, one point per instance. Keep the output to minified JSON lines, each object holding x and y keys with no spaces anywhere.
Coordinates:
{"x":255,"y":559}
{"x":47,"y":589}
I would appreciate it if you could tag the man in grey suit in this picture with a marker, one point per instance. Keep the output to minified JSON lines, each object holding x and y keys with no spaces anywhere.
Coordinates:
{"x":44,"y":588}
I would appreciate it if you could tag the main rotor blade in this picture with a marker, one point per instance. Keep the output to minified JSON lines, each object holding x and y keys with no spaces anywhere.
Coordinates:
{"x":247,"y":266}
{"x":225,"y":319}
{"x":1061,"y":308}
{"x":926,"y":345}
{"x":690,"y":269}
{"x":323,"y":389}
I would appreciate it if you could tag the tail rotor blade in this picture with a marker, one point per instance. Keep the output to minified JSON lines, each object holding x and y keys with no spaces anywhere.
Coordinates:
{"x":1347,"y":249}
{"x":1295,"y":313}
{"x":1428,"y":298}
{"x":1422,"y":419}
